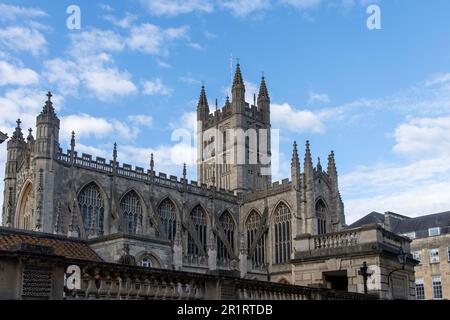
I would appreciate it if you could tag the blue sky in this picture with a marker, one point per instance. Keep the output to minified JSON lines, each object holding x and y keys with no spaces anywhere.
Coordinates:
{"x":132,"y":74}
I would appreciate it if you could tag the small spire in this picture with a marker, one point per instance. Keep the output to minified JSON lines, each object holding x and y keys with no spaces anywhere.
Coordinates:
{"x":263,"y":92}
{"x":254,"y":99}
{"x":115,"y":152}
{"x":331,"y":168}
{"x":319,"y":166}
{"x":308,"y":160}
{"x":295,"y":160}
{"x":72,"y":141}
{"x":184,"y":171}
{"x":152,"y":163}
{"x":202,"y":100}
{"x":30,"y":135}
{"x":217,"y":106}
{"x":48,"y":107}
{"x":18,"y":135}
{"x":238,"y":76}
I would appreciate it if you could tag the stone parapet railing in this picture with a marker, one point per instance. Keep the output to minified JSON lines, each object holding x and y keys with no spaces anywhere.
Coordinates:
{"x":120,"y":282}
{"x":351,"y":238}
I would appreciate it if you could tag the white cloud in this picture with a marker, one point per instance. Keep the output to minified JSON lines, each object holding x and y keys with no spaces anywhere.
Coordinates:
{"x":298,"y":121}
{"x":302,"y":4}
{"x":86,"y":125}
{"x":91,"y":66}
{"x":64,"y":74}
{"x":106,"y":7}
{"x":23,"y":39}
{"x":152,"y":87}
{"x":189,"y":80}
{"x":95,"y":41}
{"x":318,"y":97}
{"x":16,"y":75}
{"x":195,"y":45}
{"x":141,"y":119}
{"x":438,"y":79}
{"x":423,"y":136}
{"x":125,"y":22}
{"x":416,"y":201}
{"x":149,"y":38}
{"x":23,"y":103}
{"x":108,"y":83}
{"x":176,"y":7}
{"x":243,"y":8}
{"x":10,"y":12}
{"x":163,"y":64}
{"x":415,"y":188}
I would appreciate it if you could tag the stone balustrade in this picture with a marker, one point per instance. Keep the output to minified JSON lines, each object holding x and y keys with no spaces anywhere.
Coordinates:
{"x":336,"y":240}
{"x":351,"y":239}
{"x":120,"y":282}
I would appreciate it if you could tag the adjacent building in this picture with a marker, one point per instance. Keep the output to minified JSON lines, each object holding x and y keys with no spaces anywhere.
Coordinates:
{"x":430,"y":246}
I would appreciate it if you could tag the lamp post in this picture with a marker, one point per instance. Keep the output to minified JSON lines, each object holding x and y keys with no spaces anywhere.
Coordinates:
{"x":3,"y":137}
{"x":363,"y":271}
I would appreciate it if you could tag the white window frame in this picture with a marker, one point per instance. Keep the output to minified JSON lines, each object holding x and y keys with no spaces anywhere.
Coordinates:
{"x":148,"y":262}
{"x":448,"y":254}
{"x":420,"y":282}
{"x":434,"y":280}
{"x":436,"y":229}
{"x":434,"y":255}
{"x":418,"y":256}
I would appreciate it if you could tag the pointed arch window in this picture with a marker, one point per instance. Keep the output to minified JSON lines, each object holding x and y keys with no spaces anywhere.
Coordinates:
{"x":251,"y":226}
{"x":282,"y":233}
{"x":321,"y":214}
{"x":130,"y":206}
{"x":228,"y":227}
{"x":92,"y":209}
{"x":166,"y":214}
{"x":26,"y":209}
{"x":198,"y":219}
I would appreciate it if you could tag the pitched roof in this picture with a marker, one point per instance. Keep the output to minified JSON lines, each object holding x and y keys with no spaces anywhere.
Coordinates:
{"x":402,"y":224}
{"x":373,"y":217}
{"x":424,"y":222}
{"x":69,"y":248}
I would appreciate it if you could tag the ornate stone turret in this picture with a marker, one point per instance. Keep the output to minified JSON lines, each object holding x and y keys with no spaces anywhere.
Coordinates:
{"x":238,"y":92}
{"x":202,"y":106}
{"x":337,"y":205}
{"x":47,"y":124}
{"x":264,"y":101}
{"x":15,"y":147}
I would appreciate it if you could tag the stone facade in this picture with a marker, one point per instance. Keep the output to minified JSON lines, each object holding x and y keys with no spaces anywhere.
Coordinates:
{"x":234,"y":219}
{"x":430,"y":246}
{"x":334,"y":261}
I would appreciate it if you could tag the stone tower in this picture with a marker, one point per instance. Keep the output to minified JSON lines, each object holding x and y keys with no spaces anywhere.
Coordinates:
{"x":234,"y":141}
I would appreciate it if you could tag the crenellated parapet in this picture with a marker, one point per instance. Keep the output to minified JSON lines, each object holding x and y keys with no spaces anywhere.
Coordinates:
{"x":124,"y":170}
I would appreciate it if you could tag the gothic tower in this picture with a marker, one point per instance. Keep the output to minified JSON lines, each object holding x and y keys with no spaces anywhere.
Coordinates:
{"x":234,"y":141}
{"x":46,"y":148}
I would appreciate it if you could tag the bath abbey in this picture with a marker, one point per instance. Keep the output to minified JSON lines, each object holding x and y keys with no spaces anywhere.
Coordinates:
{"x":232,"y":220}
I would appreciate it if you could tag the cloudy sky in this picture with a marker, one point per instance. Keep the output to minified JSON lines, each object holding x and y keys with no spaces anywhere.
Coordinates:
{"x":132,"y":75}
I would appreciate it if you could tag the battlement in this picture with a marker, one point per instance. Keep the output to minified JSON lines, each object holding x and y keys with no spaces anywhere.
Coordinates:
{"x":225,"y":112}
{"x":275,"y":188}
{"x":125,"y":170}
